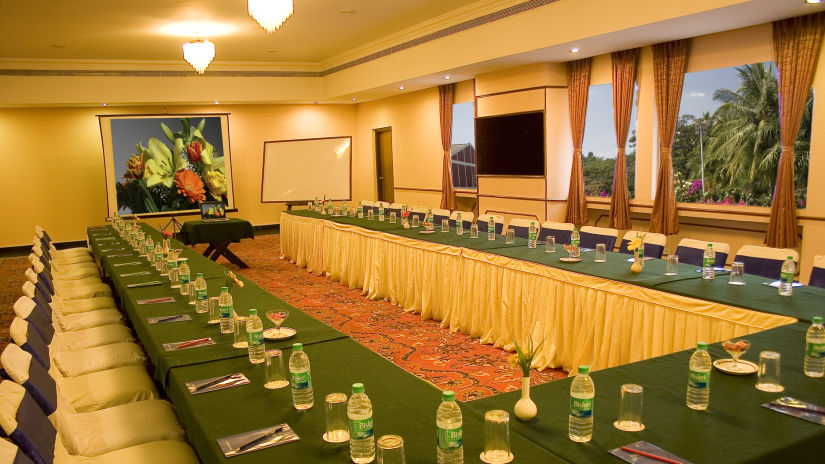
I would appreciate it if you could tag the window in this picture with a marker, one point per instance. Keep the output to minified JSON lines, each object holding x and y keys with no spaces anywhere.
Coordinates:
{"x":599,"y":145}
{"x":727,"y":143}
{"x":462,"y":152}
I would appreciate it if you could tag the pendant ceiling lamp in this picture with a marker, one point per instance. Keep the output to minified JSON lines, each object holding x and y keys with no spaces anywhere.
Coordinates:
{"x":270,"y":14}
{"x":199,"y":54}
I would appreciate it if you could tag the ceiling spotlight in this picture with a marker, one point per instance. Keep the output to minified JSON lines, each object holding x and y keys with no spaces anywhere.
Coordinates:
{"x":353,"y":98}
{"x":216,"y":102}
{"x":574,"y":50}
{"x":270,"y":14}
{"x":199,"y":54}
{"x":813,"y":1}
{"x":104,"y":104}
{"x":401,"y":87}
{"x":447,"y":77}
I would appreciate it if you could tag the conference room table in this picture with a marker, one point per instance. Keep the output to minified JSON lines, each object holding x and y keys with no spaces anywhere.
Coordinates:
{"x":734,"y":429}
{"x":598,"y":314}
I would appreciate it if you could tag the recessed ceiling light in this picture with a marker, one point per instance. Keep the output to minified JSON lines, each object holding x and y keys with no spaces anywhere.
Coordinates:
{"x":104,"y":104}
{"x":216,"y":102}
{"x":447,"y":77}
{"x":574,"y":50}
{"x":813,"y":1}
{"x":353,"y":98}
{"x":401,"y":87}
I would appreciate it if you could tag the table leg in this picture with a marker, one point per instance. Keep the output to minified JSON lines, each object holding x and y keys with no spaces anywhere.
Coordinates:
{"x":222,"y":249}
{"x":209,"y":250}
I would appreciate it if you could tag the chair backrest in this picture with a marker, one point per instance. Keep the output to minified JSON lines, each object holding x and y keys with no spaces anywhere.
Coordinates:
{"x":521,"y":226}
{"x":420,"y":211}
{"x":382,"y":203}
{"x":26,"y":337}
{"x":27,"y":309}
{"x":484,"y":221}
{"x":11,"y":454}
{"x":26,"y":424}
{"x":559,"y":230}
{"x":32,"y":277}
{"x":764,"y":261}
{"x":654,"y":243}
{"x":395,"y":208}
{"x":818,"y":272}
{"x":439,"y":215}
{"x":20,"y":366}
{"x":591,"y":236}
{"x":466,"y":218}
{"x":692,"y":251}
{"x":35,"y":294}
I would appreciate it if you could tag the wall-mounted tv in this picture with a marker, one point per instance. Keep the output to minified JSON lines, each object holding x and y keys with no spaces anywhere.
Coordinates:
{"x":511,"y":145}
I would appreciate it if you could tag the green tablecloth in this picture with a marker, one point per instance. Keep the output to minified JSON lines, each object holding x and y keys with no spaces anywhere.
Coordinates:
{"x":805,"y":303}
{"x":402,"y":404}
{"x":153,"y":336}
{"x":735,"y":428}
{"x":231,"y":230}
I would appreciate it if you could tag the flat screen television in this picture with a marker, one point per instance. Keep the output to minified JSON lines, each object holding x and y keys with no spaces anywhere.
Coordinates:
{"x":511,"y":144}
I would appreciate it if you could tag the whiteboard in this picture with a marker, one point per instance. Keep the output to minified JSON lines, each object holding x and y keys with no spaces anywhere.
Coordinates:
{"x":302,"y":170}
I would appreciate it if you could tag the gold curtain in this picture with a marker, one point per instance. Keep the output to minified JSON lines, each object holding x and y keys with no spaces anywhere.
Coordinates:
{"x":578,"y":85}
{"x":669,"y":63}
{"x":446,"y":96}
{"x":796,"y":44}
{"x":624,"y":82}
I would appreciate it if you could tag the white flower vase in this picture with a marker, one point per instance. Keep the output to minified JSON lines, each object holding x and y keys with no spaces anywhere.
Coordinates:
{"x":525,"y":407}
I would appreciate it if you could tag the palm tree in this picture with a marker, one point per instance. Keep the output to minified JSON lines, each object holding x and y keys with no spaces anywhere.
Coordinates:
{"x":744,"y":144}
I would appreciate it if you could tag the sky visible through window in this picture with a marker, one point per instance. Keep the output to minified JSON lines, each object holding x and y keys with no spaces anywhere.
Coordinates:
{"x":599,"y":131}
{"x":463,"y":124}
{"x":463,"y":156}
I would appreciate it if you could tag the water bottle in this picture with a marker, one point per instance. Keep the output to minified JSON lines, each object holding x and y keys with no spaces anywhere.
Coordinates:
{"x":150,"y":254}
{"x":381,"y":213}
{"x":315,"y":205}
{"x":491,"y":229}
{"x":185,"y":276}
{"x":158,"y":258}
{"x":201,"y":300}
{"x":429,"y":218}
{"x":582,"y":391}
{"x":227,"y":312}
{"x":575,"y":240}
{"x":709,"y":263}
{"x":174,"y":273}
{"x":698,"y":390}
{"x":300,"y":378}
{"x":448,"y":422}
{"x":255,"y":337}
{"x":531,"y":235}
{"x":786,"y":277}
{"x":331,"y":209}
{"x":459,"y":225}
{"x":149,"y":244}
{"x":815,"y":349}
{"x":361,"y":437}
{"x":360,"y":211}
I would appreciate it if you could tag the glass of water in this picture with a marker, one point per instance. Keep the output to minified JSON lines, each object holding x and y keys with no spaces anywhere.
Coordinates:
{"x":511,"y":237}
{"x":240,"y":333}
{"x":600,"y":256}
{"x":737,"y":273}
{"x":474,"y":230}
{"x":445,"y":225}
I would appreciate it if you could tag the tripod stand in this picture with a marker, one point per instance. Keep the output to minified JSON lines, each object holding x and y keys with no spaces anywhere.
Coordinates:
{"x":175,"y":224}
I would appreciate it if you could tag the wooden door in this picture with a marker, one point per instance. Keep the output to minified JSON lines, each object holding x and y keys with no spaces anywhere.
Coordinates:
{"x":383,"y":164}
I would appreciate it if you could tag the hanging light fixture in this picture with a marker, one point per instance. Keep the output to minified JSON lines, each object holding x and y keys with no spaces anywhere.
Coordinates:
{"x":270,"y":14}
{"x":199,"y":54}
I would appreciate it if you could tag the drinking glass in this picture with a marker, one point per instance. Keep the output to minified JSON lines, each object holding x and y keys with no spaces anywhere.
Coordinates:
{"x":337,"y":422}
{"x":496,"y":437}
{"x":511,"y":237}
{"x":392,"y":217}
{"x":276,"y":374}
{"x":445,"y":227}
{"x":600,"y":255}
{"x":474,"y":231}
{"x":240,"y":333}
{"x":370,"y":214}
{"x":214,"y":310}
{"x":415,"y":220}
{"x":630,"y":408}
{"x":277,"y":317}
{"x":737,"y":273}
{"x":391,"y":450}
{"x":550,"y":244}
{"x":736,"y":348}
{"x":672,"y":265}
{"x":191,"y":293}
{"x":768,"y":372}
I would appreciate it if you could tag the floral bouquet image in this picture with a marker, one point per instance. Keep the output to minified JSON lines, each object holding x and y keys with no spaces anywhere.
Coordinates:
{"x":173,"y":176}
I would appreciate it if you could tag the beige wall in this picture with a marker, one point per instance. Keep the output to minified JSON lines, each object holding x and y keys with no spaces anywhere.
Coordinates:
{"x":52,"y":161}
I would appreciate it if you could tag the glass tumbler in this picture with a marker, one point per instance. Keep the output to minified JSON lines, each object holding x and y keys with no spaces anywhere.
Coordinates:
{"x":276,"y":374}
{"x":392,"y":217}
{"x":600,"y":256}
{"x":336,"y":419}
{"x":768,"y":373}
{"x":550,"y":244}
{"x":630,"y":408}
{"x":240,"y":333}
{"x":672,"y":265}
{"x":474,"y":231}
{"x":191,"y":293}
{"x":390,"y":450}
{"x":445,"y":225}
{"x":737,"y":273}
{"x":370,"y":215}
{"x":496,"y":437}
{"x":214,"y":310}
{"x":415,"y":220}
{"x":511,"y":237}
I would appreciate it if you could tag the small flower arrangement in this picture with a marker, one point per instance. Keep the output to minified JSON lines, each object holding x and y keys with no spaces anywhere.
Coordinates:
{"x":637,"y":243}
{"x":230,"y":279}
{"x":167,"y":234}
{"x":569,"y":249}
{"x":522,"y":358}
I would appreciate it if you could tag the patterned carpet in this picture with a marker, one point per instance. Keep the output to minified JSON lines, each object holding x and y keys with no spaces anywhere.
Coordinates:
{"x":447,"y":360}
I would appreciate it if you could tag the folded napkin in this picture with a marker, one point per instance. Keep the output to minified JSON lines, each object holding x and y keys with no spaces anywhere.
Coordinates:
{"x":196,"y":387}
{"x":255,"y":440}
{"x":644,"y":453}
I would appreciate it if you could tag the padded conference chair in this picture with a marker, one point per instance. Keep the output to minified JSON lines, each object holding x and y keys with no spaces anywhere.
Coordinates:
{"x":395,"y":208}
{"x":12,"y":454}
{"x":560,"y":230}
{"x":47,"y":321}
{"x":818,"y":272}
{"x":521,"y":226}
{"x":764,"y":261}
{"x":590,"y":236}
{"x":654,"y":243}
{"x":419,"y":211}
{"x":692,"y":251}
{"x":132,"y":434}
{"x":368,"y":206}
{"x":466,"y":219}
{"x":484,"y":222}
{"x":439,"y":215}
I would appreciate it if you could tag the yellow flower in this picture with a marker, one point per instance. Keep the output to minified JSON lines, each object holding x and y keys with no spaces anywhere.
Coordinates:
{"x":512,"y":360}
{"x":216,"y":181}
{"x":634,"y":244}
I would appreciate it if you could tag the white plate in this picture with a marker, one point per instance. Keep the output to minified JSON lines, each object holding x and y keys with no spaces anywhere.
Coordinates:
{"x":742,"y":368}
{"x":568,"y":259}
{"x":285,"y":333}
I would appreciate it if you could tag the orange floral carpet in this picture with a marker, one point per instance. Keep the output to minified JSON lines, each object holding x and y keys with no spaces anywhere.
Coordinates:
{"x":447,"y":360}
